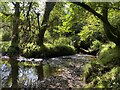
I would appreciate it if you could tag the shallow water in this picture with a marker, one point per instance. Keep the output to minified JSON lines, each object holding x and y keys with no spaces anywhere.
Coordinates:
{"x":22,"y":72}
{"x":25,"y":75}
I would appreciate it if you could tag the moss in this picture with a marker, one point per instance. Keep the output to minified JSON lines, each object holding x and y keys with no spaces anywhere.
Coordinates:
{"x":104,"y":72}
{"x":109,"y":79}
{"x":86,"y":72}
{"x":61,"y":50}
{"x":97,"y":75}
{"x":110,"y":55}
{"x":94,"y":69}
{"x":47,"y":50}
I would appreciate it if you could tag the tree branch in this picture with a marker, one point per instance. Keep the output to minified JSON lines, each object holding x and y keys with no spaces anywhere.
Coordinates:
{"x":6,"y":14}
{"x":2,"y":26}
{"x":85,"y":6}
{"x":30,"y":5}
{"x":13,"y":3}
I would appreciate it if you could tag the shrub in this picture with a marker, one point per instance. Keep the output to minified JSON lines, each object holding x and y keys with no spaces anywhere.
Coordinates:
{"x":109,"y":54}
{"x":109,"y":79}
{"x":62,"y":50}
{"x":105,"y":71}
{"x":63,"y":41}
{"x":31,"y":50}
{"x":92,"y":70}
{"x":47,"y":50}
{"x":96,"y":45}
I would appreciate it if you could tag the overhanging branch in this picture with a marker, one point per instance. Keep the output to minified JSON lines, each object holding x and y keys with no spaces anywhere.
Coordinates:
{"x":6,"y":14}
{"x":85,"y":6}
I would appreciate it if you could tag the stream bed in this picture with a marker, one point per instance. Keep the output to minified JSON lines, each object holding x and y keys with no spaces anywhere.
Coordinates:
{"x":59,"y":72}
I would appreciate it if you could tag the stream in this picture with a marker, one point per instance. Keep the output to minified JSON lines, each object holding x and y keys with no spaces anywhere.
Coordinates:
{"x":59,"y":72}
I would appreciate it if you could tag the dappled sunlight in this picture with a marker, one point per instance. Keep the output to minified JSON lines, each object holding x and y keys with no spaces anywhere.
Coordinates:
{"x":60,"y":45}
{"x":60,"y":70}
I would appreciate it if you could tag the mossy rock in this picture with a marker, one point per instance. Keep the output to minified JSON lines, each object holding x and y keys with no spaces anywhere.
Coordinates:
{"x":109,"y":55}
{"x":47,"y":51}
{"x":109,"y":79}
{"x":104,"y":72}
{"x":94,"y":69}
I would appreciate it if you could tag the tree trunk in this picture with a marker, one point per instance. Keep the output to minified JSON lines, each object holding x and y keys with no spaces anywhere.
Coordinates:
{"x":44,"y":25}
{"x":109,"y":29}
{"x":15,"y":32}
{"x":28,"y":17}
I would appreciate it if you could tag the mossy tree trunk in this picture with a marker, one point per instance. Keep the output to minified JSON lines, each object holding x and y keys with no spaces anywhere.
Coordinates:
{"x":44,"y":24}
{"x":14,"y":48}
{"x":111,"y":32}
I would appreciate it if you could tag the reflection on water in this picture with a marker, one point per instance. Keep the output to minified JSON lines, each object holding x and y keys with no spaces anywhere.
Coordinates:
{"x":40,"y":70}
{"x":16,"y":74}
{"x":22,"y":73}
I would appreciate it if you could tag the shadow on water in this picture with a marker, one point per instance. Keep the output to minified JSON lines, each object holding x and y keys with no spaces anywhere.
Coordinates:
{"x":40,"y":71}
{"x":17,"y":74}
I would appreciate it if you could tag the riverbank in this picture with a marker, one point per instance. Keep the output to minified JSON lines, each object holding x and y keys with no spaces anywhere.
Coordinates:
{"x":68,"y":74}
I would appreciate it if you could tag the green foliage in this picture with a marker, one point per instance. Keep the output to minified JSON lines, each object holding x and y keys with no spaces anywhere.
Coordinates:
{"x":47,"y":70}
{"x":6,"y":36}
{"x":92,"y":35}
{"x":85,"y":33}
{"x":93,"y":29}
{"x":30,"y":50}
{"x":66,"y":23}
{"x":96,"y":45}
{"x":110,"y":54}
{"x":63,"y":41}
{"x":1,"y":35}
{"x":61,"y":50}
{"x":110,"y":79}
{"x":4,"y":46}
{"x":115,"y":18}
{"x":105,"y":71}
{"x":47,"y":50}
{"x":94,"y":69}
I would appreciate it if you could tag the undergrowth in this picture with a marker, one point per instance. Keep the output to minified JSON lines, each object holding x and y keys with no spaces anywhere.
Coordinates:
{"x":104,"y":72}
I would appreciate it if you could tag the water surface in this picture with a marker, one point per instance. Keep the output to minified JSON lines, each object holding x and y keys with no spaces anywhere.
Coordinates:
{"x":22,"y":72}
